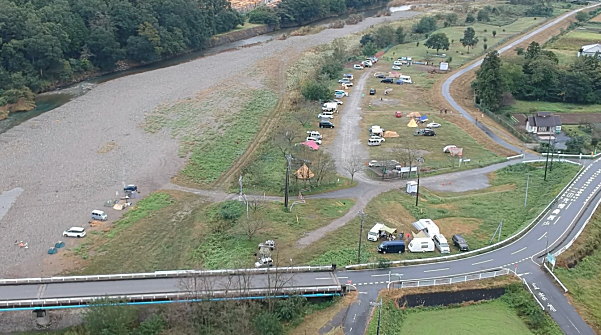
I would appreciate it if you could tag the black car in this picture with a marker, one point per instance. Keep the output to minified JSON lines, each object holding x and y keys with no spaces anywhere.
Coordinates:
{"x":372,"y":91}
{"x":387,"y":80}
{"x":381,"y":75}
{"x":460,"y":242}
{"x":326,"y":124}
{"x":425,"y":132}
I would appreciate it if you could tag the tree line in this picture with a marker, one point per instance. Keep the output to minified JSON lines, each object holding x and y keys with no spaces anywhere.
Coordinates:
{"x":43,"y":43}
{"x":537,"y":75}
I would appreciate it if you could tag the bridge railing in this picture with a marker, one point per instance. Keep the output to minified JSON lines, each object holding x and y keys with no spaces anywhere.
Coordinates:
{"x":165,"y":274}
{"x":448,"y":280}
{"x":201,"y":295}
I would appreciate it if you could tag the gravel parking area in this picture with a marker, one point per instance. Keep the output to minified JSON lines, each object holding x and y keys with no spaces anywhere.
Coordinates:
{"x":70,"y":160}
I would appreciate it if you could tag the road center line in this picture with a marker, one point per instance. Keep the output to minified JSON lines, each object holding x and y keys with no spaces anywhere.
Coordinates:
{"x":515,"y":252}
{"x":543,"y":235}
{"x":482,"y":262}
{"x":443,"y":269}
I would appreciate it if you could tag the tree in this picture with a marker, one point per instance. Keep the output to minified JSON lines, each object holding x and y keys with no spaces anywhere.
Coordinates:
{"x":106,"y":317}
{"x":494,"y":33}
{"x":285,"y":137}
{"x":438,"y":41}
{"x":353,"y":165}
{"x":254,"y":221}
{"x":384,"y":36}
{"x":305,"y":115}
{"x":470,"y":18}
{"x":489,"y":85}
{"x":450,"y":19}
{"x":483,"y":16}
{"x":264,"y":14}
{"x":582,"y":16}
{"x":469,"y":38}
{"x":425,"y":25}
{"x":400,"y":35}
{"x":315,"y":91}
{"x":532,"y":51}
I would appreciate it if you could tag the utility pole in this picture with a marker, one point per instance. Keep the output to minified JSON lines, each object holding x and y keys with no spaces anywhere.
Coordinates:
{"x":289,"y":161}
{"x":552,"y":154}
{"x":420,"y":160}
{"x":362,"y":217}
{"x":379,"y":317}
{"x":547,"y":161}
{"x":526,"y":197}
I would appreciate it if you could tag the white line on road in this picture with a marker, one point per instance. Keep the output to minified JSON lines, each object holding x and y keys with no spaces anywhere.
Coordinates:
{"x":515,"y":252}
{"x":545,"y":234}
{"x":574,"y":325}
{"x":323,"y":278}
{"x":443,"y":269}
{"x":380,"y":275}
{"x":482,"y":262}
{"x":342,"y":277}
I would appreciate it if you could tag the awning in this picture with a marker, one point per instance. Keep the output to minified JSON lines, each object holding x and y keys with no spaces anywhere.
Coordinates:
{"x":389,"y":230}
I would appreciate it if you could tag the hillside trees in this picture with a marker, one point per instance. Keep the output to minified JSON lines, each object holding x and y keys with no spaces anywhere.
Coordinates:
{"x":469,"y":38}
{"x":438,"y":41}
{"x":44,"y":42}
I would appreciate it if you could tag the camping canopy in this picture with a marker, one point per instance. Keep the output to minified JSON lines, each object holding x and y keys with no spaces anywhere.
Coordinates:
{"x":304,"y":172}
{"x":424,"y":118}
{"x":456,"y":151}
{"x":389,"y":230}
{"x":390,"y":133}
{"x":414,"y":114}
{"x":311,"y":144}
{"x":446,"y":149}
{"x":412,"y":123}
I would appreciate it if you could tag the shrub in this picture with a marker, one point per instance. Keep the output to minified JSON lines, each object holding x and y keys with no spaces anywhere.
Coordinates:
{"x":231,"y":210}
{"x":268,"y":324}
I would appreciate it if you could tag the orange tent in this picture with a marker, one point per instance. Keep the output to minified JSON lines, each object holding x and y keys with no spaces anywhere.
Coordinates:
{"x":304,"y":172}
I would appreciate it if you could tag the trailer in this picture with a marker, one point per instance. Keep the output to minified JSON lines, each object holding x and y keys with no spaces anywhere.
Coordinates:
{"x":421,"y":243}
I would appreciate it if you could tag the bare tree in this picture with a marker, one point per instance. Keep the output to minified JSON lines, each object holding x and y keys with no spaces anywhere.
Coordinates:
{"x":305,"y":114}
{"x":254,"y":220}
{"x":283,"y":138}
{"x":322,"y":166}
{"x":353,"y":165}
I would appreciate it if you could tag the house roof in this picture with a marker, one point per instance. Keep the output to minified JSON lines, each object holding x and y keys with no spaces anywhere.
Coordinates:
{"x":544,"y":119}
{"x":591,"y":48}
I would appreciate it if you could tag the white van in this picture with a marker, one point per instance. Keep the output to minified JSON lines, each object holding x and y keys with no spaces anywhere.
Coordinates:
{"x":374,"y":232}
{"x":441,"y":243}
{"x":99,"y":215}
{"x":405,"y":79}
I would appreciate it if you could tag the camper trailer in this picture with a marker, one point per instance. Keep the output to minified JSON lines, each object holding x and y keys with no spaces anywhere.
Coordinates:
{"x":421,"y":243}
{"x":427,"y":226}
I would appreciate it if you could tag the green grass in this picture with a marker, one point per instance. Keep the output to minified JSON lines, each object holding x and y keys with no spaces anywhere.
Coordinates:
{"x":574,"y":40}
{"x":582,"y":280}
{"x":182,"y":231}
{"x":456,"y":50}
{"x":515,"y":312}
{"x":491,"y":318}
{"x":430,"y":147}
{"x":216,"y":155}
{"x":474,"y":214}
{"x":526,"y":107}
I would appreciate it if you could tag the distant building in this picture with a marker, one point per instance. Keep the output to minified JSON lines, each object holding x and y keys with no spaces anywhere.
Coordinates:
{"x":543,"y":123}
{"x":590,"y":50}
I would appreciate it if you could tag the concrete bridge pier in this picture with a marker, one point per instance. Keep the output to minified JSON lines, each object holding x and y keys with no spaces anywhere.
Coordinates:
{"x":42,"y":320}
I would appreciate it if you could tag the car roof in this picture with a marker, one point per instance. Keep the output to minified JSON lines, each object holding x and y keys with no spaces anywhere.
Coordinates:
{"x":78,"y":229}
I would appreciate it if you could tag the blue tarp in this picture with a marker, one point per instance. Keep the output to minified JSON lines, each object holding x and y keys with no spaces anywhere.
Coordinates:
{"x":423,"y":118}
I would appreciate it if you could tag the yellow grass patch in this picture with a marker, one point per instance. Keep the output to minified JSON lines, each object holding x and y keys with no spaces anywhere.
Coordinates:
{"x":107,"y":147}
{"x":454,"y":225}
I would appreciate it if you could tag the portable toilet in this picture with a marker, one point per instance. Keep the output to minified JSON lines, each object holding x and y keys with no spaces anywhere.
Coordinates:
{"x":411,"y":187}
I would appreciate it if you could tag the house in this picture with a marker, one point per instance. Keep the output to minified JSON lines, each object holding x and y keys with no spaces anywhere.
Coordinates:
{"x":590,"y":50}
{"x":543,"y":123}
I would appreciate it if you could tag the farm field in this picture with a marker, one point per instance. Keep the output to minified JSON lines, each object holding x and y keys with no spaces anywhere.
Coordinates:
{"x":524,"y":107}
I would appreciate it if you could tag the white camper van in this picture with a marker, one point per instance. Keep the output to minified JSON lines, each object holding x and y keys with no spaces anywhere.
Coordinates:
{"x":421,"y":243}
{"x":374,"y":232}
{"x":441,"y":243}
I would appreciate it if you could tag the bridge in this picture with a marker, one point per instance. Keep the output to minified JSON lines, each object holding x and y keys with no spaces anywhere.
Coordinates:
{"x":168,"y":286}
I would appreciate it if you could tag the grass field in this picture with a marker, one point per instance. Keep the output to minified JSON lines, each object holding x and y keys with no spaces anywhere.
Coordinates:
{"x":526,"y":107}
{"x":582,"y":280}
{"x":175,"y":230}
{"x":474,"y":214}
{"x":491,"y":318}
{"x":456,"y":50}
{"x":430,"y":147}
{"x":515,"y":312}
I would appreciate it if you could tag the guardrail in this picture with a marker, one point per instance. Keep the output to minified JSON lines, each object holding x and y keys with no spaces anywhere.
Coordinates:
{"x":491,"y":247}
{"x":171,"y":297}
{"x":448,"y":280}
{"x":165,"y":274}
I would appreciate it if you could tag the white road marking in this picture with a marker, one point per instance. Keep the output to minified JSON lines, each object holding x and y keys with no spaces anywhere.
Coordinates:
{"x":543,"y":235}
{"x":380,"y":275}
{"x":523,"y":274}
{"x":323,"y":278}
{"x":342,"y":277}
{"x":482,"y":262}
{"x":557,"y":211}
{"x":573,"y":325}
{"x":515,"y":252}
{"x":443,"y":269}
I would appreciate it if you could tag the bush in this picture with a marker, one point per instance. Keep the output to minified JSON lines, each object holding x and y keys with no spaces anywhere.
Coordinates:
{"x":264,"y":15}
{"x":268,"y":324}
{"x":231,"y":210}
{"x":288,"y":309}
{"x":105,"y":317}
{"x":425,"y":25}
{"x":315,"y":91}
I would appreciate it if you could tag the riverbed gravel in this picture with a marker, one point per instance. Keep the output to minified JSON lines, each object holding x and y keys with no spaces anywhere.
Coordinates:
{"x":72,"y":159}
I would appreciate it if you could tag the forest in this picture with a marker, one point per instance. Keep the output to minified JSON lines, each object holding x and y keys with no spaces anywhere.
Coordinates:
{"x":45,"y":43}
